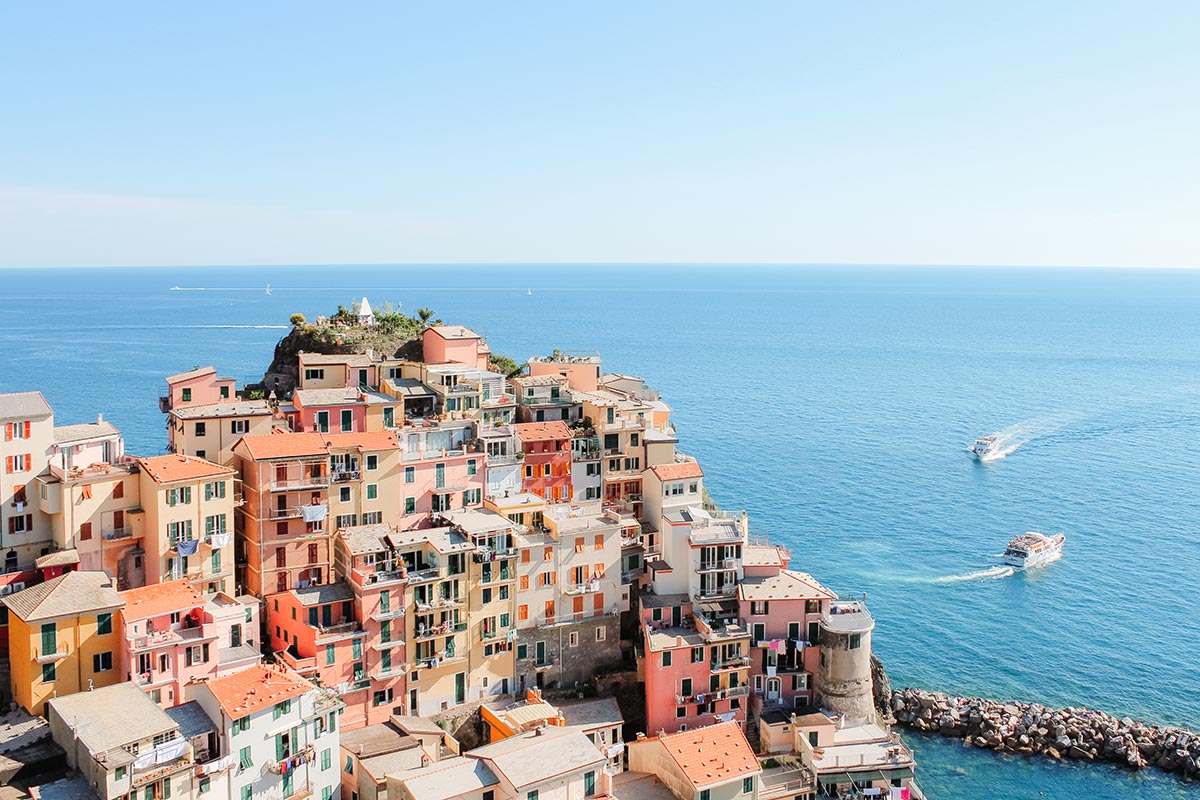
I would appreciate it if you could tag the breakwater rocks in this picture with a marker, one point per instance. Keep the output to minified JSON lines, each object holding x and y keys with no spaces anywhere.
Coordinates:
{"x":1062,"y":733}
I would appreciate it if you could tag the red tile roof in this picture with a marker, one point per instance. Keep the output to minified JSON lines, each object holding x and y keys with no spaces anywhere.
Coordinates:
{"x":711,"y":755}
{"x":678,"y":471}
{"x":542,"y":431}
{"x":172,"y":468}
{"x":371,"y":440}
{"x":160,"y":598}
{"x":256,"y":688}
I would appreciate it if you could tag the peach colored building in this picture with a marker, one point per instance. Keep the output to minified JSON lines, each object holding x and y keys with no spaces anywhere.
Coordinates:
{"x":546,"y":469}
{"x":189,"y":515}
{"x":172,"y":636}
{"x":26,"y":435}
{"x":695,"y":663}
{"x":299,"y":488}
{"x":454,"y":344}
{"x":206,"y":416}
{"x":582,"y":371}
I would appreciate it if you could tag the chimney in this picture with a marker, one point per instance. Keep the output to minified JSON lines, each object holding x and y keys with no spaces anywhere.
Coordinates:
{"x":99,"y":419}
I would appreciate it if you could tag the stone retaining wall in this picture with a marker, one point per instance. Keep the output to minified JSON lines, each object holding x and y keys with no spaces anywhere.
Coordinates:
{"x":1031,"y":729}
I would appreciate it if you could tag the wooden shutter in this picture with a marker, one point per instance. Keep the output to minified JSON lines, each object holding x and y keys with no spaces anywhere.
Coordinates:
{"x":8,"y":432}
{"x":599,"y":603}
{"x":26,"y":429}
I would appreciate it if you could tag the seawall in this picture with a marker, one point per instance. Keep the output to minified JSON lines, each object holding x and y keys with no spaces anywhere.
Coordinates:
{"x":1030,"y":729}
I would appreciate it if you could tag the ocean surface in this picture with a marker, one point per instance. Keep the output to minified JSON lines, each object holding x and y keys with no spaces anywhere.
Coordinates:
{"x":837,"y":406}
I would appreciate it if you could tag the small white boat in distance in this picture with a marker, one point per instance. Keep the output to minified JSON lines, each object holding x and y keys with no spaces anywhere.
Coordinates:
{"x":1034,"y":549}
{"x":984,"y":446}
{"x":268,"y":288}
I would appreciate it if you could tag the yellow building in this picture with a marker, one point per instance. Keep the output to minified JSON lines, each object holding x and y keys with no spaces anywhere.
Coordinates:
{"x":62,"y":638}
{"x":188,"y":530}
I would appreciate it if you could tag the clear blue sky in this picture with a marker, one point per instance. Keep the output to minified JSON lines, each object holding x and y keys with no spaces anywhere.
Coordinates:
{"x":871,"y":132}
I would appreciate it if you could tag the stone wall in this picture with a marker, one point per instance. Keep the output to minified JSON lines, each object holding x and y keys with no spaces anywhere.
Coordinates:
{"x":1028,"y":728}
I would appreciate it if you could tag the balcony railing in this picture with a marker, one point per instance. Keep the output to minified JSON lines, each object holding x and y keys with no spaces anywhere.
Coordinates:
{"x":730,"y":662}
{"x":347,"y":475}
{"x":118,"y":533}
{"x":46,"y":656}
{"x":309,"y":482}
{"x":424,"y":575}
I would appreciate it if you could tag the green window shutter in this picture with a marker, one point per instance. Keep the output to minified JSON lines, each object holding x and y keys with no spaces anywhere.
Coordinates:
{"x":166,"y":788}
{"x":208,"y":487}
{"x":279,"y":747}
{"x":216,"y":561}
{"x":208,"y":526}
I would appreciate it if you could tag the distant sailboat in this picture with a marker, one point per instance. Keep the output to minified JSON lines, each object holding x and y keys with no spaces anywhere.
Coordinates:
{"x":529,"y":292}
{"x":268,"y":288}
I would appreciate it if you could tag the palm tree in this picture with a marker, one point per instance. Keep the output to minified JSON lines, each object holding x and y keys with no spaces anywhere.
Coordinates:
{"x":424,"y":315}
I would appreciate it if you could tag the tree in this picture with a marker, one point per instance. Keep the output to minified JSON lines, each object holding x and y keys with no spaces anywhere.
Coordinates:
{"x":505,"y":365}
{"x":297,"y":320}
{"x":424,"y":315}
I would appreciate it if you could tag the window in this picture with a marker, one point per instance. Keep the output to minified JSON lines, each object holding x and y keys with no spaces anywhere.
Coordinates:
{"x":489,"y":795}
{"x":49,"y":673}
{"x":118,"y":490}
{"x":382,"y":697}
{"x":186,"y":395}
{"x":601,"y":633}
{"x":472,"y":496}
{"x":573,"y":639}
{"x":244,"y":759}
{"x":119,"y":773}
{"x":20,"y":463}
{"x":410,"y":474}
{"x":103,"y":624}
{"x":326,"y":758}
{"x":330,"y":654}
{"x":314,"y":374}
{"x":241,"y":725}
{"x":344,"y":494}
{"x":680,"y":712}
{"x":532,"y":795}
{"x":666,"y":658}
{"x":102,"y":662}
{"x":216,"y":561}
{"x":322,"y":421}
{"x":239,"y":426}
{"x":201,"y":428}
{"x":357,"y":646}
{"x":697,"y":655}
{"x":589,"y":784}
{"x":372,"y":517}
{"x":523,"y":649}
{"x":347,"y":420}
{"x":214,"y":489}
{"x":855,"y":641}
{"x":372,"y":491}
{"x":747,"y":785}
{"x":204,"y":785}
{"x":759,"y":607}
{"x":410,"y":505}
{"x":705,"y":794}
{"x":523,"y":612}
{"x":612,"y":441}
{"x":812,"y":738}
{"x":471,"y":466}
{"x":349,"y":768}
{"x":283,"y":708}
{"x":372,"y":462}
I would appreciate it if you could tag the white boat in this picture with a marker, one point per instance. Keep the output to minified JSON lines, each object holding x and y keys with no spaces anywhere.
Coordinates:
{"x":268,"y":288}
{"x":1034,"y":549}
{"x":529,"y":292}
{"x":984,"y":446}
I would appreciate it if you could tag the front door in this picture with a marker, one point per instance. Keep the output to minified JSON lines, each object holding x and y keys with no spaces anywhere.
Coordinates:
{"x":235,"y":636}
{"x":773,"y":690}
{"x":676,"y":616}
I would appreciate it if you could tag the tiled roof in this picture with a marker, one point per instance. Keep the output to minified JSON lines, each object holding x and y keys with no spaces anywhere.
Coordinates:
{"x":542,"y":431}
{"x":160,"y":598}
{"x":192,"y":373}
{"x":321,"y":359}
{"x":539,"y":756}
{"x":175,"y":467}
{"x":240,"y":408}
{"x":59,"y":558}
{"x":711,"y":755}
{"x":539,"y":380}
{"x":68,"y":595}
{"x":787,"y":585}
{"x":269,"y":446}
{"x":256,"y":688}
{"x":678,"y":471}
{"x":88,"y":430}
{"x":451,"y":777}
{"x":340,"y":396}
{"x":23,"y":405}
{"x":454,"y":332}
{"x":113,"y":716}
{"x":326,"y":593}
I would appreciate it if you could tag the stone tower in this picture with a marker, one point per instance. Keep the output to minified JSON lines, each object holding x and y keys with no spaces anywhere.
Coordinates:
{"x":844,"y":675}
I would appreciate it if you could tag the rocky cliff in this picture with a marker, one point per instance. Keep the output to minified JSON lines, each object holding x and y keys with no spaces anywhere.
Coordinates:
{"x":282,"y":376}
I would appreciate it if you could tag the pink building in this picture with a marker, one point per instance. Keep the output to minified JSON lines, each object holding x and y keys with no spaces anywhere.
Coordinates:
{"x":197,"y":387}
{"x":341,"y":410}
{"x":783,"y":609}
{"x":695,"y":665}
{"x":436,"y":481}
{"x":173,"y":636}
{"x":454,"y":344}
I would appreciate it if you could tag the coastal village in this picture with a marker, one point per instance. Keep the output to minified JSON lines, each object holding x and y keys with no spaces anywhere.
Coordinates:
{"x":421,"y":573}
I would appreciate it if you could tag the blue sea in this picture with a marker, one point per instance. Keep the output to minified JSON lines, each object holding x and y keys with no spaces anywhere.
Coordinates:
{"x":837,"y":405}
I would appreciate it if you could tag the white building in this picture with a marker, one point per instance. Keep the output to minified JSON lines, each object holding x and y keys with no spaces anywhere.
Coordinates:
{"x":279,"y":731}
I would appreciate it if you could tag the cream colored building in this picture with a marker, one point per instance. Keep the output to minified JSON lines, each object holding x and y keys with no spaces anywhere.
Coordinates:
{"x":26,"y":436}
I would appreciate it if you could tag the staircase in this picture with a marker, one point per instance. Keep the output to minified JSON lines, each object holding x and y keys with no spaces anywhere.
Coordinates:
{"x":752,"y":726}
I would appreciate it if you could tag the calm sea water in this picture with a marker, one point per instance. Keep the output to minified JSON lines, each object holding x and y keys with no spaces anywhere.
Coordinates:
{"x":837,"y":406}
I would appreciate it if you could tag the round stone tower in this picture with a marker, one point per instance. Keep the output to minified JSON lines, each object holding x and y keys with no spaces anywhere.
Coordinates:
{"x":844,"y":676}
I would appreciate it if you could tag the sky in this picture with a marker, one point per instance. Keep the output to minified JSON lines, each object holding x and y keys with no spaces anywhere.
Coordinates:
{"x":997,"y":133}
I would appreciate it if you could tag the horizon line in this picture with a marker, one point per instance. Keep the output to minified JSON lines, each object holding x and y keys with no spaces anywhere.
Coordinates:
{"x":701,"y":264}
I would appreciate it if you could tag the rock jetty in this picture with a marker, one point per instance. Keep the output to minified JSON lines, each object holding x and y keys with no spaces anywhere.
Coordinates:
{"x":1079,"y":734}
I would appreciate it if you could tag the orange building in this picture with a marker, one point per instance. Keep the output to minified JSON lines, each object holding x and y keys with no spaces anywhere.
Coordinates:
{"x":546,"y":470}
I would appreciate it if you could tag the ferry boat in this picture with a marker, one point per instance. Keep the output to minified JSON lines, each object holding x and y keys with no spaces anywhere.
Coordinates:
{"x":984,"y":446}
{"x":1034,"y":549}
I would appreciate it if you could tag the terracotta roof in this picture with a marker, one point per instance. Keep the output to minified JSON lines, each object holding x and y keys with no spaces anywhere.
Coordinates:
{"x":192,"y":373}
{"x":678,"y":471}
{"x":256,"y":688}
{"x":541,"y":431}
{"x":160,"y":598}
{"x":174,"y":467}
{"x":711,"y":755}
{"x":68,"y":595}
{"x":281,"y":444}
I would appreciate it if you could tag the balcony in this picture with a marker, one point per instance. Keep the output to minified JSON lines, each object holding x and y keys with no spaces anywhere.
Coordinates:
{"x":713,"y":592}
{"x":346,"y":476}
{"x":729,"y":662}
{"x":116,"y":534}
{"x":340,"y":628}
{"x":398,"y":670}
{"x":434,"y":631}
{"x":590,"y":587}
{"x":296,"y":484}
{"x":543,"y":664}
{"x":391,"y":612}
{"x":424,"y":575}
{"x":168,"y":638}
{"x":722,"y":565}
{"x":47,"y":656}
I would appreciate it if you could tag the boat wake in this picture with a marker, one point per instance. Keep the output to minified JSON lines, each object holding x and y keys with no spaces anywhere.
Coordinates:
{"x":1014,"y":437}
{"x":991,"y":573}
